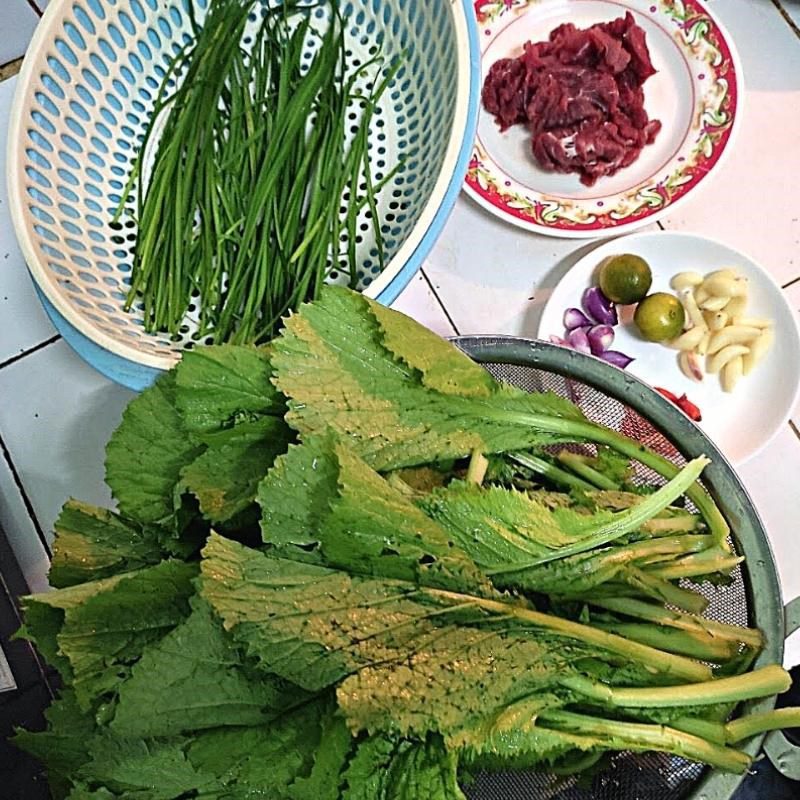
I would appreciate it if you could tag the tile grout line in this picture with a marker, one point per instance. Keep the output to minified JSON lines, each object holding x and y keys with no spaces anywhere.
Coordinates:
{"x":35,"y":349}
{"x":10,"y":69}
{"x":439,"y":301}
{"x":25,"y":499}
{"x":785,"y":14}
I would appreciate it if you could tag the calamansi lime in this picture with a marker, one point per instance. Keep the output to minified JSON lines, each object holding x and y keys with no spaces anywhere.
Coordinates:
{"x":660,"y":316}
{"x":625,"y":278}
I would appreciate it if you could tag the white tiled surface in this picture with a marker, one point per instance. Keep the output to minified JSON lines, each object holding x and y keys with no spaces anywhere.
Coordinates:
{"x":419,"y":302}
{"x":17,"y":22}
{"x":792,"y":8}
{"x":24,"y":323}
{"x":19,"y":525}
{"x":56,"y":413}
{"x":793,"y":293}
{"x":55,"y":419}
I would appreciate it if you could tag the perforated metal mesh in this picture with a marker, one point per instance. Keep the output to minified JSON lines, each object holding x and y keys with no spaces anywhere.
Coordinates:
{"x":651,"y":776}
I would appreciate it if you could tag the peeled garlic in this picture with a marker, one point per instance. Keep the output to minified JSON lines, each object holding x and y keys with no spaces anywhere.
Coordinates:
{"x":690,"y":366}
{"x":731,"y":373}
{"x":720,"y":359}
{"x":732,"y":334}
{"x":689,"y":339}
{"x":757,"y":350}
{"x":685,"y":280}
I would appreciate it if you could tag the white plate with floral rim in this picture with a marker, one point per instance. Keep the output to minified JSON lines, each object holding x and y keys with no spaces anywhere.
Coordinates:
{"x":740,"y":423}
{"x":696,"y":94}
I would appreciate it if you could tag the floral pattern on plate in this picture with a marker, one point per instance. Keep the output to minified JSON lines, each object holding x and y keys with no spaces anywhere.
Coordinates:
{"x":694,"y":57}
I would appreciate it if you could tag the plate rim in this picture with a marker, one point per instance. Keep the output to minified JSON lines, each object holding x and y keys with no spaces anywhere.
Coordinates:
{"x":769,"y":279}
{"x":633,"y":222}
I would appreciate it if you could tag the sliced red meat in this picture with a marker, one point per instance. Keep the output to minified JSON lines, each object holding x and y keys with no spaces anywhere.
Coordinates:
{"x":505,"y":91}
{"x":581,"y":95}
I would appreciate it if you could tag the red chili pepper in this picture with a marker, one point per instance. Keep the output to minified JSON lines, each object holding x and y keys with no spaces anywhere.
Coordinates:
{"x":683,"y":403}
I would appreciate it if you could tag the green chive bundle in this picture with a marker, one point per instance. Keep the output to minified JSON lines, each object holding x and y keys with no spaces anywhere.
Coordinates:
{"x":244,"y":213}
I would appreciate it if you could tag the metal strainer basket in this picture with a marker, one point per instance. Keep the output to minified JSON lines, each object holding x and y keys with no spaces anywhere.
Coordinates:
{"x":618,"y":400}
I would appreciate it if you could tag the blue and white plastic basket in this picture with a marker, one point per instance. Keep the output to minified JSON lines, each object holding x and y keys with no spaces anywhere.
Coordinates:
{"x":84,"y":97}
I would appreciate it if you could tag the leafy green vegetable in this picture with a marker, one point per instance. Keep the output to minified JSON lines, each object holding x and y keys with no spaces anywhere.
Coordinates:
{"x":321,"y":494}
{"x":146,"y":453}
{"x":217,"y":387}
{"x":514,"y":736}
{"x":225,"y":477}
{"x":385,"y":769}
{"x":381,"y":641}
{"x":314,"y":626}
{"x":322,"y":498}
{"x":65,"y":745}
{"x":268,"y":760}
{"x":344,"y":364}
{"x":94,"y":543}
{"x":675,"y":619}
{"x":638,"y":737}
{"x":152,"y":769}
{"x":332,"y":363}
{"x":529,"y":534}
{"x":330,"y":759}
{"x":93,"y":631}
{"x":233,"y":762}
{"x":198,"y":679}
{"x":211,"y":427}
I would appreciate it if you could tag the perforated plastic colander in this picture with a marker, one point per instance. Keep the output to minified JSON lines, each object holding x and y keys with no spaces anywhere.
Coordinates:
{"x":86,"y":92}
{"x":609,"y":396}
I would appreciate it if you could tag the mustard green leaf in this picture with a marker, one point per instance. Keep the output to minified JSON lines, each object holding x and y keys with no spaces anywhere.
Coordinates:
{"x":224,"y":478}
{"x":331,"y":757}
{"x":441,"y":366}
{"x":144,"y":769}
{"x":334,"y":363}
{"x":64,"y":747}
{"x":404,"y":662}
{"x":321,"y":493}
{"x":221,"y":385}
{"x":272,"y":760}
{"x":146,"y":453}
{"x":94,"y":543}
{"x":107,"y":623}
{"x":297,"y":493}
{"x":197,"y":678}
{"x":387,"y":769}
{"x":304,"y":622}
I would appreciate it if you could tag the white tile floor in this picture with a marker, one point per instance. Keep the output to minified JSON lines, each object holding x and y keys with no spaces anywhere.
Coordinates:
{"x":482,"y":277}
{"x":17,"y":22}
{"x":24,"y":323}
{"x":56,"y":417}
{"x":792,"y":9}
{"x":418,"y":301}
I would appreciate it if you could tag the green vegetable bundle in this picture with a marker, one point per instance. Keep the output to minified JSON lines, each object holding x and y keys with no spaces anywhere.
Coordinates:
{"x":353,"y":565}
{"x":260,"y":170}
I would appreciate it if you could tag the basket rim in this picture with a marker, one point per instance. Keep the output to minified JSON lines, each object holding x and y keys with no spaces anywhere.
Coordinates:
{"x":762,"y":584}
{"x":385,"y":288}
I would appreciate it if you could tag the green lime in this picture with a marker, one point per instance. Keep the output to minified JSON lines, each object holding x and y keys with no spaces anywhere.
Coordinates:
{"x":625,"y":279}
{"x":660,"y":316}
